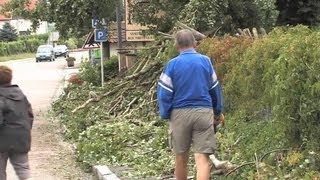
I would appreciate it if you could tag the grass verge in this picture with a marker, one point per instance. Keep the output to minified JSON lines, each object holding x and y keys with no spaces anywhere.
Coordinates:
{"x":17,"y":57}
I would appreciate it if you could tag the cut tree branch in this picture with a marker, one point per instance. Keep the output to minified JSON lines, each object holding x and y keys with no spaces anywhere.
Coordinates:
{"x":199,"y":36}
{"x":115,"y":89}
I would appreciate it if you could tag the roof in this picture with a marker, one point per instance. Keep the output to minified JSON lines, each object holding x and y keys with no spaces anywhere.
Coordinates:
{"x":112,"y":37}
{"x":8,"y":16}
{"x":5,"y":16}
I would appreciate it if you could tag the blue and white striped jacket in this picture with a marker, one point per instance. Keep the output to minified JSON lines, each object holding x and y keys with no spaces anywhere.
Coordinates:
{"x":189,"y":81}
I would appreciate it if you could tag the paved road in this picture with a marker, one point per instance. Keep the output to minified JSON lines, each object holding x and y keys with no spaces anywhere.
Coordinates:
{"x":40,"y":81}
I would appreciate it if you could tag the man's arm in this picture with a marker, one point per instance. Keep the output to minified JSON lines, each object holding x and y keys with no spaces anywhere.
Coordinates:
{"x":165,"y":93}
{"x":217,"y":98}
{"x":216,"y":93}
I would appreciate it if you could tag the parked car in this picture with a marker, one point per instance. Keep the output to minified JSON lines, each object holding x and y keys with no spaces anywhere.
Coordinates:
{"x":45,"y":53}
{"x":61,"y":50}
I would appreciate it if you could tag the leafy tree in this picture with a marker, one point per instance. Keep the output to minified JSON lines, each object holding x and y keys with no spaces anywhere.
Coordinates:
{"x":228,"y":15}
{"x":70,"y":16}
{"x":295,"y":12}
{"x":161,"y":14}
{"x":8,"y":33}
{"x":206,"y":14}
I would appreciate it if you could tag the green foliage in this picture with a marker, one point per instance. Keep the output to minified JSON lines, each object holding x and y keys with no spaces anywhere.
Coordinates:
{"x":41,"y":37}
{"x":70,"y":17}
{"x":25,"y":44}
{"x":72,"y":42}
{"x":271,"y":88}
{"x":100,"y":144}
{"x":92,"y":73}
{"x":271,"y":94}
{"x":162,"y":14}
{"x":277,"y":83}
{"x":209,"y":15}
{"x":295,"y":12}
{"x":228,"y":15}
{"x":8,"y":33}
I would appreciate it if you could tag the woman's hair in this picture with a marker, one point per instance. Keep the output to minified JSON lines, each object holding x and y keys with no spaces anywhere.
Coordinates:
{"x":5,"y":75}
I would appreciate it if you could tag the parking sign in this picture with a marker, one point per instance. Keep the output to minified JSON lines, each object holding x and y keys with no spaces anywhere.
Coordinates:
{"x":100,"y":35}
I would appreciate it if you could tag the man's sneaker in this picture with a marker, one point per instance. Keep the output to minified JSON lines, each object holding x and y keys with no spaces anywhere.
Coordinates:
{"x":221,"y":164}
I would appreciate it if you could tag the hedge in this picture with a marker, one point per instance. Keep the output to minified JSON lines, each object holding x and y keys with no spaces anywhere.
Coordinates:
{"x":26,"y":44}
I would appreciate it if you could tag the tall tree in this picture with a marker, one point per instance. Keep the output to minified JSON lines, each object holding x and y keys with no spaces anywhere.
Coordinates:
{"x":228,"y":15}
{"x":8,"y":33}
{"x":161,"y":14}
{"x":295,"y":12}
{"x":70,"y":16}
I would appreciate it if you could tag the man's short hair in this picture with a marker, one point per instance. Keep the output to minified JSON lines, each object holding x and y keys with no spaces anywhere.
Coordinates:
{"x":184,"y":39}
{"x":5,"y":75}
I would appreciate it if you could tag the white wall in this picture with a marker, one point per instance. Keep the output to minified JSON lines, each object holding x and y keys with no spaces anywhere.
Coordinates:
{"x":43,"y":28}
{"x":21,"y":24}
{"x":25,"y":25}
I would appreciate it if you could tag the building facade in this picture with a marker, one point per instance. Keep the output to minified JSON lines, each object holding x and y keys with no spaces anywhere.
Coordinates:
{"x":23,"y":26}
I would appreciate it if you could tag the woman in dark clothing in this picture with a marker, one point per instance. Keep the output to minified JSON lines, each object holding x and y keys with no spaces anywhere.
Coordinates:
{"x":16,"y":120}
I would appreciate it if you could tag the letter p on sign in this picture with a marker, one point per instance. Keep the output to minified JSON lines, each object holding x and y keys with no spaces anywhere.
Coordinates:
{"x":100,"y":35}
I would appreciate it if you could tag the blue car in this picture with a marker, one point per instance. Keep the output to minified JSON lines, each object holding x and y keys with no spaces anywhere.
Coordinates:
{"x":45,"y":53}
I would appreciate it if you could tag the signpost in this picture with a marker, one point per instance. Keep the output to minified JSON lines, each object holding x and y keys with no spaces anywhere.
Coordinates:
{"x":101,"y":36}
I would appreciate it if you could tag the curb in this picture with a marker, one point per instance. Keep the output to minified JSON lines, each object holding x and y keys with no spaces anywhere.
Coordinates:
{"x":66,"y":73}
{"x":104,"y":173}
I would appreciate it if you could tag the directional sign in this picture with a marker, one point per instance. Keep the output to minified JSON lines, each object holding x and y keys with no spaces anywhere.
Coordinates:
{"x":100,"y":35}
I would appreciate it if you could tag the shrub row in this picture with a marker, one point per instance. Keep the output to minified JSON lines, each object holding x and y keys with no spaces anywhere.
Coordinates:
{"x":272,"y":89}
{"x":26,"y":44}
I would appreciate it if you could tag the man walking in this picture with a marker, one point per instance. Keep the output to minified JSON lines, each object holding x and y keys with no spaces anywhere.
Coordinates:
{"x":16,"y":120}
{"x":189,"y":94}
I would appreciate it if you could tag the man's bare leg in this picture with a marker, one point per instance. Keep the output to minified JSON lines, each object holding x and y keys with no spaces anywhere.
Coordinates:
{"x":181,"y":170}
{"x":203,"y":166}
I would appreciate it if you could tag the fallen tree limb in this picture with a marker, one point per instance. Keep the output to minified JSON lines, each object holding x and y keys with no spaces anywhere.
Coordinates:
{"x":118,"y":101}
{"x":156,"y":58}
{"x":218,"y":172}
{"x":267,"y":153}
{"x":141,"y":64}
{"x":238,"y":167}
{"x":165,"y":35}
{"x":130,"y":104}
{"x":115,"y":89}
{"x":199,"y":36}
{"x":133,"y":76}
{"x":256,"y":162}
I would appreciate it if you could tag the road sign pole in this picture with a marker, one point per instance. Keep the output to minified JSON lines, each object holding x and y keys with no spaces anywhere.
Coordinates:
{"x":101,"y":36}
{"x":102,"y":68}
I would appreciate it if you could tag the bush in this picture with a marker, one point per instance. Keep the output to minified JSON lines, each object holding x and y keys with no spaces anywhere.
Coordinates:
{"x":271,"y":94}
{"x":75,"y":79}
{"x":71,"y":43}
{"x":25,"y":44}
{"x":92,"y":73}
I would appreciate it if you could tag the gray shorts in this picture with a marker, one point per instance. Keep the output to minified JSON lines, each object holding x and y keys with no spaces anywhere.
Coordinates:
{"x":192,"y":126}
{"x":19,"y":162}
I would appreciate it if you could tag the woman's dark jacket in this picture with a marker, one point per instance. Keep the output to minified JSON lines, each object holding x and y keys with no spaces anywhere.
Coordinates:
{"x":16,"y":120}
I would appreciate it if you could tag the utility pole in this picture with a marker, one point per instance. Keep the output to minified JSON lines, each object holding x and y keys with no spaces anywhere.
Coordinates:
{"x":119,"y":23}
{"x":119,"y":30}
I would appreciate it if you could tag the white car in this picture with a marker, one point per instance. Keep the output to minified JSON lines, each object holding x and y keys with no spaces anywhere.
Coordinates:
{"x":61,"y":50}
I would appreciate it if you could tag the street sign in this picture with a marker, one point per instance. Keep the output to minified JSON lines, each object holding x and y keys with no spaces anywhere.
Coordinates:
{"x":94,"y":22}
{"x":100,"y":35}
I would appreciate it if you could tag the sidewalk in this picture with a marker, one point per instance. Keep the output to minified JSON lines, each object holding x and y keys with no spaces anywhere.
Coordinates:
{"x":51,"y":158}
